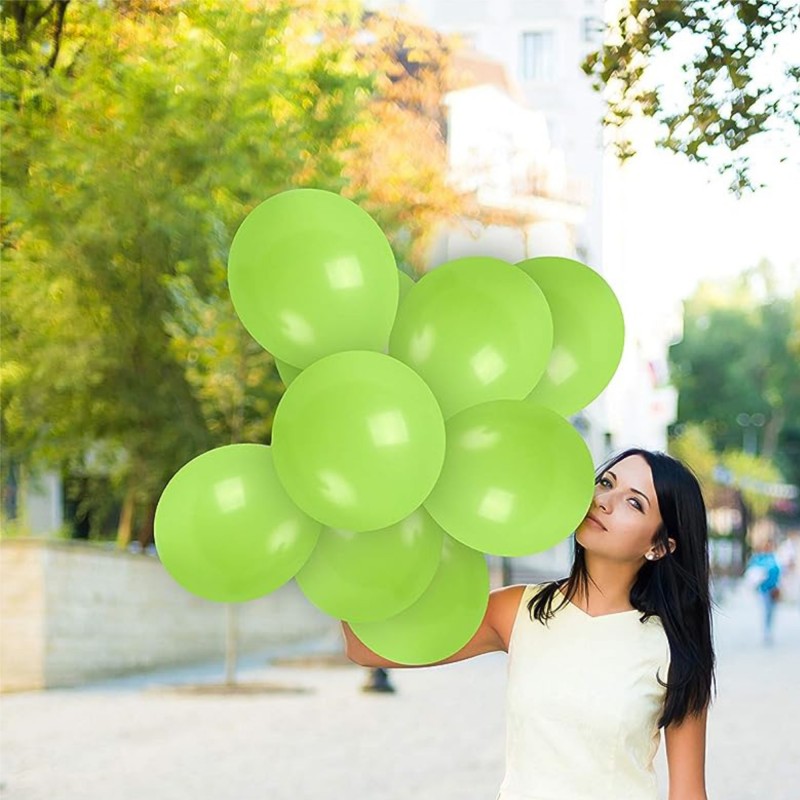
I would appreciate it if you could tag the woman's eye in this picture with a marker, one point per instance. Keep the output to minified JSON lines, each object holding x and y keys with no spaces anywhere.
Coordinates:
{"x":636,"y":504}
{"x":604,"y":482}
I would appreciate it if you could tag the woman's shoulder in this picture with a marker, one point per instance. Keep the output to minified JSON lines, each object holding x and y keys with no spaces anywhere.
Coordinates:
{"x":507,"y":601}
{"x":529,"y":591}
{"x":520,"y":590}
{"x":511,"y":597}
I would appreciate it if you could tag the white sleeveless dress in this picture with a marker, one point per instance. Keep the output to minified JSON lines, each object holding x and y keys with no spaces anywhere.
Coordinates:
{"x":583,"y":704}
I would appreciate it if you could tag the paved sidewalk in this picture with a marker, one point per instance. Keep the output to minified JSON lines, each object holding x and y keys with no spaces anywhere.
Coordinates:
{"x":441,"y":737}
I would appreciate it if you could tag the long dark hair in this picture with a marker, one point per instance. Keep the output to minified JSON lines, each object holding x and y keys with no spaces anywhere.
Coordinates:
{"x":674,"y":588}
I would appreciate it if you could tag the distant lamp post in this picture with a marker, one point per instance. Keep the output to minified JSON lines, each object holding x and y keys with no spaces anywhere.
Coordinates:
{"x":749,"y":423}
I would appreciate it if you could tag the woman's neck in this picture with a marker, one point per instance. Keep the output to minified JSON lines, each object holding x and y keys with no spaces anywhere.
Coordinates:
{"x":609,"y":587}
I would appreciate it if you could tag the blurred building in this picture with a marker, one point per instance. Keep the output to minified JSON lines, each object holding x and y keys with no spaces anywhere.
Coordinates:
{"x":538,"y":47}
{"x":501,"y":155}
{"x":525,"y":138}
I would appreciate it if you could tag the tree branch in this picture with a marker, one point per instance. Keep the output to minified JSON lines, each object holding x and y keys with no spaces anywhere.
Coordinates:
{"x":62,"y":10}
{"x":43,"y":14}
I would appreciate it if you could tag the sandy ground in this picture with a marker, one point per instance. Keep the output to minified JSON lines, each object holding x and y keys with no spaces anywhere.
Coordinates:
{"x":439,"y":737}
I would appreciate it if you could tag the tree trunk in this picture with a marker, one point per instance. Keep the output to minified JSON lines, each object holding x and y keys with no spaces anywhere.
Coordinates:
{"x":231,"y":641}
{"x":147,"y":529}
{"x":769,"y":444}
{"x":125,"y":527}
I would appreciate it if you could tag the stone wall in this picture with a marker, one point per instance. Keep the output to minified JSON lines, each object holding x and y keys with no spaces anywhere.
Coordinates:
{"x":72,"y":612}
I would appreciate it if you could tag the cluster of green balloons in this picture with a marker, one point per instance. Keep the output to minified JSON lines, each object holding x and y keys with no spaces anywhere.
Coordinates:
{"x":424,"y":425}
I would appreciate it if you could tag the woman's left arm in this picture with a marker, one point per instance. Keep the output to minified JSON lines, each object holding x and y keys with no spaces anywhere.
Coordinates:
{"x":686,"y":758}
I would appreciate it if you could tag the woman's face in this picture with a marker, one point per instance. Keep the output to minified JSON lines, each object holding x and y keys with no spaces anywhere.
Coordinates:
{"x":624,"y":515}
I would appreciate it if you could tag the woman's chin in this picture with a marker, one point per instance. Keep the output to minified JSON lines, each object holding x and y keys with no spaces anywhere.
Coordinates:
{"x":587,"y":536}
{"x":582,"y":530}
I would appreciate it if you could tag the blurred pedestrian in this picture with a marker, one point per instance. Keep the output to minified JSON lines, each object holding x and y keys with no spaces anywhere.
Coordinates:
{"x":378,"y":681}
{"x":764,"y":574}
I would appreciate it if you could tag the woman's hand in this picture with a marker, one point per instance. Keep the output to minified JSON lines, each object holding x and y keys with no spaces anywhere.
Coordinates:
{"x":493,"y":634}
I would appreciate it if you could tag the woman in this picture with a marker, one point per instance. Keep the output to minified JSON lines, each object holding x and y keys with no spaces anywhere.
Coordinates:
{"x":600,"y":661}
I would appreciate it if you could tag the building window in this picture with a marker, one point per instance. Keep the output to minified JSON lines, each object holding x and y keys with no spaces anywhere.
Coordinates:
{"x":593,"y":30}
{"x":538,"y":55}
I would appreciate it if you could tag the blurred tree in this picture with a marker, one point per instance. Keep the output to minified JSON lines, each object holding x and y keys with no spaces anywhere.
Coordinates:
{"x":693,"y":446}
{"x":727,"y":54}
{"x":737,"y":370}
{"x":744,"y":471}
{"x":398,"y":169}
{"x":748,"y":472}
{"x":137,"y":135}
{"x":128,"y":209}
{"x":26,"y":22}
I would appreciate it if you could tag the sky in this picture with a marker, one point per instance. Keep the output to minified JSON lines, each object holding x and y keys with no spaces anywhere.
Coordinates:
{"x":678,"y":223}
{"x":684,"y":221}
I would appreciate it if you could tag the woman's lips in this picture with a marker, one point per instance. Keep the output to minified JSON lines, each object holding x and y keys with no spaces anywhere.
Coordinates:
{"x":596,"y":522}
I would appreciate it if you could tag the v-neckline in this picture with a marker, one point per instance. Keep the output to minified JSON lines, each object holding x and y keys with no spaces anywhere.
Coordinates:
{"x":598,"y":616}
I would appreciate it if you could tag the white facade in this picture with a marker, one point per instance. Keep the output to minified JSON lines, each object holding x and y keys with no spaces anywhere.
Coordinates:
{"x":577,"y":211}
{"x":500,"y":153}
{"x":541,"y":44}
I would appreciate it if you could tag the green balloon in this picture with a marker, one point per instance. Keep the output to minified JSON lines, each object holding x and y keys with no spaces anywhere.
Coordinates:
{"x":358,"y":440}
{"x":588,"y":333}
{"x":476,"y":329}
{"x":445,"y":617}
{"x":517,"y":478}
{"x":287,"y":372}
{"x":406,"y":284}
{"x":310,"y":274}
{"x":227,"y":531}
{"x":374,"y":574}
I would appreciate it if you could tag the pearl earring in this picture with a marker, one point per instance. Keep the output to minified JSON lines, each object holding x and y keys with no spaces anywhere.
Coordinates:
{"x":649,"y":556}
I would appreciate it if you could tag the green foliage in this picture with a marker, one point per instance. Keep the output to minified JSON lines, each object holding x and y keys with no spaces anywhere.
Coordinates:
{"x":727,"y":50}
{"x":137,"y":135}
{"x":694,"y":448}
{"x":127,"y":170}
{"x":397,"y":169}
{"x":231,"y":375}
{"x":736,"y":358}
{"x":13,"y":529}
{"x":747,"y":471}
